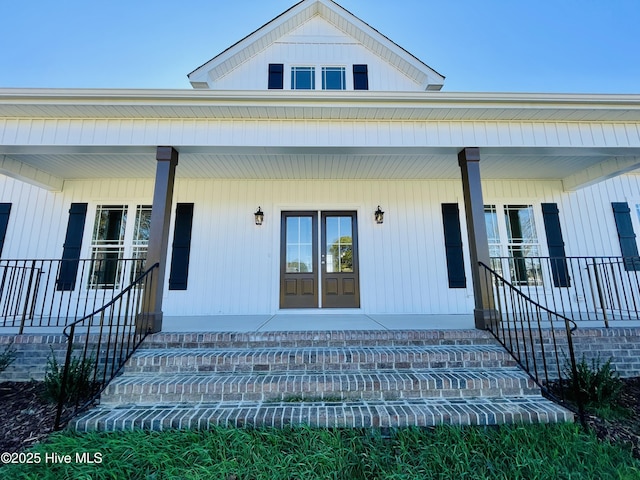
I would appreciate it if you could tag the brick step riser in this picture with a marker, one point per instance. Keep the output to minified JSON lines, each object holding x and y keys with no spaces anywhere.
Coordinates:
{"x":311,"y":368}
{"x":318,"y":363}
{"x":331,"y":415}
{"x":277,"y":391}
{"x":319,"y":339}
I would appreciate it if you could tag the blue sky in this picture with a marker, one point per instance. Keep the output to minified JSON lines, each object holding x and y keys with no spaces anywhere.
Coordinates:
{"x":581,"y":46}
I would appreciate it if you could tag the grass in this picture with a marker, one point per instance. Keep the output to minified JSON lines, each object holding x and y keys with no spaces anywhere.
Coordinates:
{"x":514,"y":452}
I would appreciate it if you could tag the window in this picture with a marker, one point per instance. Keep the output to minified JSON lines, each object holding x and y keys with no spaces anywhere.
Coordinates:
{"x":303,"y":78}
{"x":518,"y":236}
{"x":109,"y":244}
{"x":493,"y":236}
{"x":333,"y":78}
{"x":140,"y":242}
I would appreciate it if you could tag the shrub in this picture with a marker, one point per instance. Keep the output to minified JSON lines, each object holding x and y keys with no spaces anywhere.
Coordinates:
{"x":599,"y":385}
{"x":79,"y":383}
{"x":7,"y":357}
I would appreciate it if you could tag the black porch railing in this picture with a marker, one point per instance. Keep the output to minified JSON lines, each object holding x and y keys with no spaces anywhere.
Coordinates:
{"x":539,"y":339}
{"x":100,"y":343}
{"x":581,"y":288}
{"x":54,"y":293}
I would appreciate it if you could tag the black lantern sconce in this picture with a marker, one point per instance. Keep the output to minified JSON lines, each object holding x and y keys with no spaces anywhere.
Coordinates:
{"x":259,"y":216}
{"x":379,"y":215}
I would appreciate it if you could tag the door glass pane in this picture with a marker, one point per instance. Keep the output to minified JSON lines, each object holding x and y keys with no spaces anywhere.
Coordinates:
{"x":339,"y":247}
{"x":299,"y":250}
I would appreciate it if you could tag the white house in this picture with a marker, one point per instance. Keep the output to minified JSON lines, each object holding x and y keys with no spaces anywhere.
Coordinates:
{"x":318,"y":121}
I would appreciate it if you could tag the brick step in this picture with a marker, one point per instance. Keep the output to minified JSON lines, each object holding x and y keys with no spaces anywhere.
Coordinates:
{"x":317,"y":359}
{"x":343,"y":338}
{"x":380,"y":385}
{"x":359,"y":414}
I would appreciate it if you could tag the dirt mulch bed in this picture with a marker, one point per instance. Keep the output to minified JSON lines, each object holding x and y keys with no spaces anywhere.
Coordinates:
{"x":625,"y":431}
{"x":25,"y":418}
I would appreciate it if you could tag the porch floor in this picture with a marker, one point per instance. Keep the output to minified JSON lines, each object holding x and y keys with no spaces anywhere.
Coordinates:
{"x":288,"y":322}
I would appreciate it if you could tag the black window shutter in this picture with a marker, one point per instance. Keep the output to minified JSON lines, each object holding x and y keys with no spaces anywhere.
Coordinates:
{"x":453,"y":245}
{"x":360,"y":77}
{"x":627,"y":236}
{"x":5,"y":211}
{"x":181,"y":247}
{"x":555,"y":243}
{"x":71,"y":249}
{"x":276,"y":76}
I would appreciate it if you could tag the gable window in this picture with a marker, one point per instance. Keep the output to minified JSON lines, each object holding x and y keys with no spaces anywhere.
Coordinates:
{"x":303,"y":78}
{"x":333,"y":78}
{"x":517,"y":235}
{"x":111,"y":242}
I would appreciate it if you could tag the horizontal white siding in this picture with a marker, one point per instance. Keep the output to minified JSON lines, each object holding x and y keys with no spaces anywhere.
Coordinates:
{"x":234,"y":267}
{"x":314,"y":133}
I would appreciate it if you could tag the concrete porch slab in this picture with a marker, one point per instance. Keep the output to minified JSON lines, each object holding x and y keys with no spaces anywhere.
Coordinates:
{"x":315,"y":322}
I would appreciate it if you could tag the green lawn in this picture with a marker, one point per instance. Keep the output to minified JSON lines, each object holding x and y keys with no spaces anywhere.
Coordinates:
{"x":518,"y":452}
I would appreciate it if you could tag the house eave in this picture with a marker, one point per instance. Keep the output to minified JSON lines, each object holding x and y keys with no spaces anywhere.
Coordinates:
{"x":136,"y":103}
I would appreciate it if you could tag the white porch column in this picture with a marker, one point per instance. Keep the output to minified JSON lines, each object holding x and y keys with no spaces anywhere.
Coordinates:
{"x":167,"y":158}
{"x":469,"y":161}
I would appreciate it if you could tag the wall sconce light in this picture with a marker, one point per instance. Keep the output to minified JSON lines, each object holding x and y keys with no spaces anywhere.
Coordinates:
{"x":379,"y":215}
{"x":259,"y":216}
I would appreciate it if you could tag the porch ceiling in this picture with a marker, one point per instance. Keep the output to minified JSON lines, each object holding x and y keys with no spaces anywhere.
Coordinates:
{"x":319,"y":163}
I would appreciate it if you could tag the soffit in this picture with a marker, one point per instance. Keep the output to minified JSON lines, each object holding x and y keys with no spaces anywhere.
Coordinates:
{"x":307,"y":165}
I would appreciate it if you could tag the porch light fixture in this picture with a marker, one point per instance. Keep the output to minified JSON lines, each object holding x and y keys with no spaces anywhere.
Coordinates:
{"x":379,"y":215}
{"x":259,"y":216}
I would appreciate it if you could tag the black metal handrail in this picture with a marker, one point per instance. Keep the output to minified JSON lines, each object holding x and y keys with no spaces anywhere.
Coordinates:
{"x":108,"y":337}
{"x":55,"y":292}
{"x":584,"y":288}
{"x":539,"y":339}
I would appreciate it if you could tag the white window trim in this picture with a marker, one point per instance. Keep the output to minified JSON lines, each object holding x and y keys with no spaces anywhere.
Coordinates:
{"x":504,"y":237}
{"x":131,"y":208}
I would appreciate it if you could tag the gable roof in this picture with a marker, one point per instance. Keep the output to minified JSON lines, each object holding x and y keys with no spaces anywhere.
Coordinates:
{"x":333,"y":13}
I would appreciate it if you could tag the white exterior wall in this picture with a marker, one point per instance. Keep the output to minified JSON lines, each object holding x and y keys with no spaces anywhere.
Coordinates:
{"x":234,"y":266}
{"x":316,"y":43}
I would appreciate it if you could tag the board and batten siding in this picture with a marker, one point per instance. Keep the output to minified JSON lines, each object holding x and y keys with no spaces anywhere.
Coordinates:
{"x":316,"y":43}
{"x":234,"y":265}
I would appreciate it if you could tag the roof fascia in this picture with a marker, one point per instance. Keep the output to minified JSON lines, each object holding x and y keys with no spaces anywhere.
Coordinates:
{"x":148,"y":100}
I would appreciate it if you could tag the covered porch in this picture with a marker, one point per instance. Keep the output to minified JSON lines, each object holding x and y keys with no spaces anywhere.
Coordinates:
{"x":433,"y":162}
